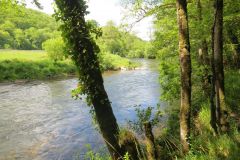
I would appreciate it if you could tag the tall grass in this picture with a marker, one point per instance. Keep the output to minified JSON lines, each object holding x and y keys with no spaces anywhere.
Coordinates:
{"x":208,"y":146}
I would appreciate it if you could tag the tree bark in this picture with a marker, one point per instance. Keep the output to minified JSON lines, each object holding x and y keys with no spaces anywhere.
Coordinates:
{"x":213,"y":120}
{"x":151,"y":146}
{"x":185,"y":65}
{"x":221,"y":113}
{"x":106,"y":119}
{"x":83,"y":52}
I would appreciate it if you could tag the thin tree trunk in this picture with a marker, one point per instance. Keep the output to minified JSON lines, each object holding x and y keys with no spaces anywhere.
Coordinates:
{"x":221,"y":113}
{"x":185,"y":65}
{"x":213,"y":120}
{"x":83,"y":52}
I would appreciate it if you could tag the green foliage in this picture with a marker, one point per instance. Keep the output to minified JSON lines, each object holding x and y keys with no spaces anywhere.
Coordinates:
{"x":116,"y":41}
{"x":166,"y":44}
{"x":207,"y":146}
{"x":126,"y":156}
{"x":232,"y":85}
{"x":100,"y":154}
{"x":114,"y":62}
{"x":5,"y":38}
{"x":143,"y":116}
{"x":22,"y":28}
{"x":166,"y":41}
{"x":55,"y":49}
{"x":204,"y":119}
{"x":91,"y":155}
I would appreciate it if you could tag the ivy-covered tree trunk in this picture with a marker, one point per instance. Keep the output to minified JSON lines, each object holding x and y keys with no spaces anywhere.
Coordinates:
{"x":83,"y":50}
{"x":185,"y":63}
{"x":221,"y":113}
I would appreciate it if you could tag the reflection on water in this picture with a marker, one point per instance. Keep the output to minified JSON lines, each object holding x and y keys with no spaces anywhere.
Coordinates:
{"x":40,"y":120}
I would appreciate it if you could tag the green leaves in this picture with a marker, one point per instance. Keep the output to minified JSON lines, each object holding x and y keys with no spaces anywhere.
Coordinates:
{"x":119,"y":42}
{"x":55,"y":48}
{"x":27,"y":28}
{"x":143,"y":116}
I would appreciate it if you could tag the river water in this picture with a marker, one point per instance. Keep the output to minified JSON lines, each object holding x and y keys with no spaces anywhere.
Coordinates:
{"x":41,"y":121}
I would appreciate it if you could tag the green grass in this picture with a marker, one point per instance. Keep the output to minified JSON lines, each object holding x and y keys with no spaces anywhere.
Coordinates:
{"x":32,"y":65}
{"x":23,"y":55}
{"x":207,"y":146}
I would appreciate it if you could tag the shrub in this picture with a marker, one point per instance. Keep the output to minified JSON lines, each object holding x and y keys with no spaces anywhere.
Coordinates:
{"x":55,"y":49}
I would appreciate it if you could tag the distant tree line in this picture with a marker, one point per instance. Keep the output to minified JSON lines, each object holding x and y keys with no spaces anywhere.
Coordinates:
{"x":22,"y":28}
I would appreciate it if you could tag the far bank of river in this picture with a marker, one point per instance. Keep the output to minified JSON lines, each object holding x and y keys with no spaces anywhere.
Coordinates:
{"x":40,"y":120}
{"x":27,"y":65}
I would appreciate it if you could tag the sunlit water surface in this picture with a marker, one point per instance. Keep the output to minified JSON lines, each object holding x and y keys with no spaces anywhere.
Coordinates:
{"x":41,"y":121}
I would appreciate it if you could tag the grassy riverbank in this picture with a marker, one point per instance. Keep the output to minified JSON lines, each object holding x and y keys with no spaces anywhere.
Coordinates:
{"x":30,"y":65}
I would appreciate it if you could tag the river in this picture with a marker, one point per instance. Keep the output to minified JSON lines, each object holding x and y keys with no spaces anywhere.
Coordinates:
{"x":41,"y":121}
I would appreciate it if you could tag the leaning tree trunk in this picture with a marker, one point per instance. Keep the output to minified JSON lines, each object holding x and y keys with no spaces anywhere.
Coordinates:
{"x":185,"y":65}
{"x":221,"y":113}
{"x":83,"y":51}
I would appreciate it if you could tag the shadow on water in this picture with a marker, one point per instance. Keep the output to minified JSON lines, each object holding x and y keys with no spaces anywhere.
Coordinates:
{"x":40,"y":120}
